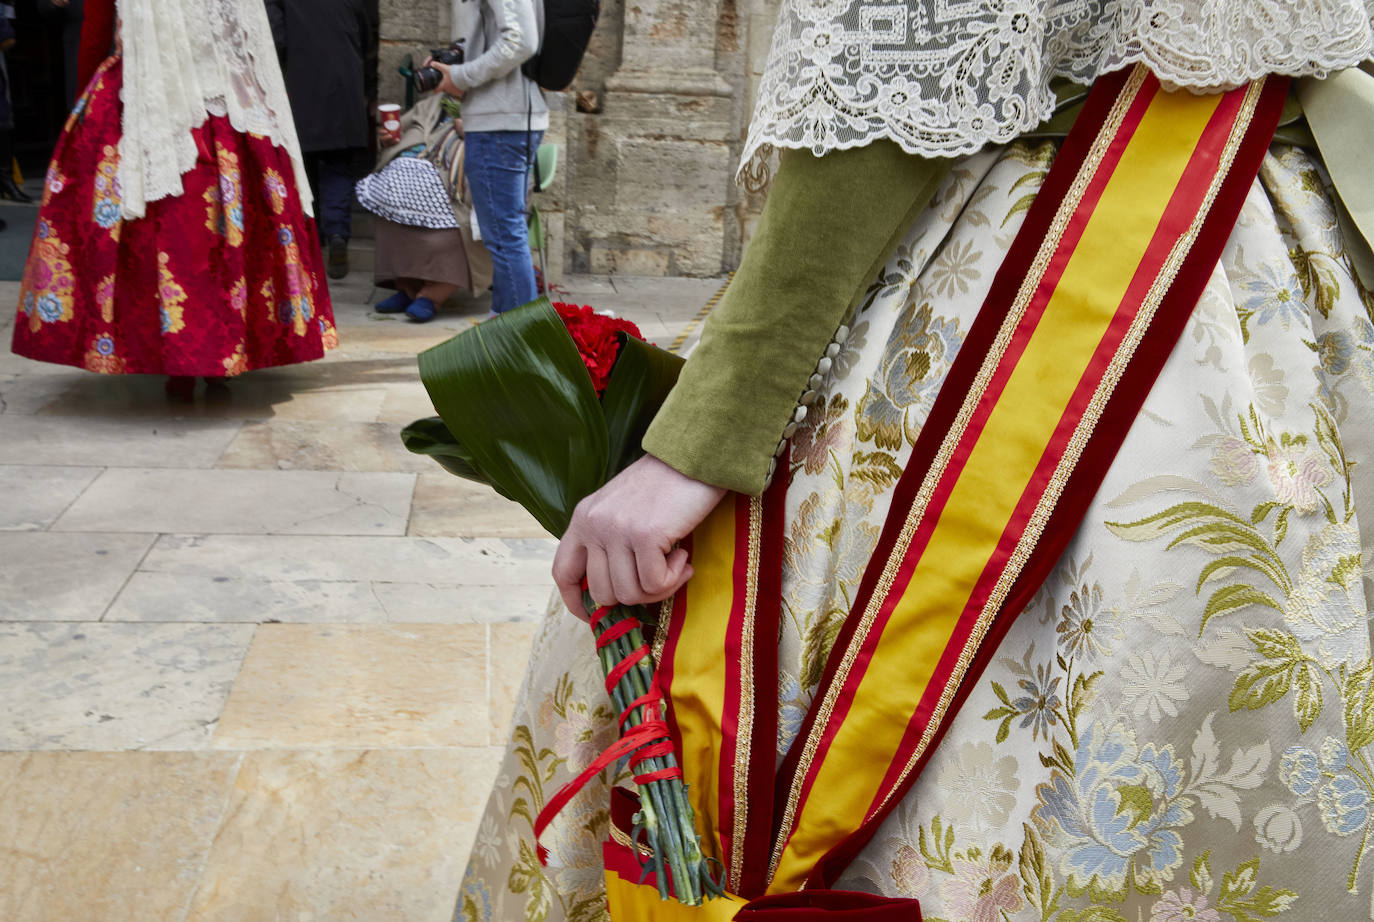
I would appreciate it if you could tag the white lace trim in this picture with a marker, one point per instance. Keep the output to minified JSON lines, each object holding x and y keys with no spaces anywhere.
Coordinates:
{"x":185,"y":60}
{"x":943,"y":78}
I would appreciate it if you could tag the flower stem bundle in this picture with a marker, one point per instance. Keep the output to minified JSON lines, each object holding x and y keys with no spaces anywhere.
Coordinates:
{"x":666,"y":822}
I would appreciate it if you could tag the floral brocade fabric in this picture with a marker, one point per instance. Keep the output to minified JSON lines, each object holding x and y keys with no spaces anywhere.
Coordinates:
{"x":1179,"y":726}
{"x":222,"y":279}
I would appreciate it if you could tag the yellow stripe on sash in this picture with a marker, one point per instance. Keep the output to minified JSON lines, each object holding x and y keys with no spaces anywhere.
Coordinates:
{"x":698,"y":686}
{"x":630,"y":902}
{"x":987,"y":491}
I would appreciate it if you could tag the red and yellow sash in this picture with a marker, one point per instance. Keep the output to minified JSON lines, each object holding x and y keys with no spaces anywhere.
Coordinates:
{"x":1088,"y":304}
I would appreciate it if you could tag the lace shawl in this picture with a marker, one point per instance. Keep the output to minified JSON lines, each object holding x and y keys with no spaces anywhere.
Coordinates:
{"x":185,"y":60}
{"x":943,"y":78}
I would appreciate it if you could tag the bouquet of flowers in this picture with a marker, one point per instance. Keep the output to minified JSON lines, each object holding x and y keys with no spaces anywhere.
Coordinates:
{"x":545,"y":404}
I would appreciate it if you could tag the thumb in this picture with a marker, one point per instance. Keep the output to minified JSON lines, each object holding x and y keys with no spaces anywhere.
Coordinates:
{"x":679,"y":571}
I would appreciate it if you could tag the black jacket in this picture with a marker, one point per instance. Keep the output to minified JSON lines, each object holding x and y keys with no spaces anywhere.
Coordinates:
{"x":328,"y":50}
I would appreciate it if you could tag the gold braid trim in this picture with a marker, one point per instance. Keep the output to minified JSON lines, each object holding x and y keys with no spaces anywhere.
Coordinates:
{"x":745,"y":722}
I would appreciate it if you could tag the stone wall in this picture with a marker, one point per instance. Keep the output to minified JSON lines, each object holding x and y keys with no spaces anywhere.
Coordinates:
{"x":408,"y":28}
{"x":649,"y":134}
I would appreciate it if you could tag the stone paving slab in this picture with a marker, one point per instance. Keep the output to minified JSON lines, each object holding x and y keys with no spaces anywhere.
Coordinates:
{"x":681,"y":300}
{"x":36,"y":496}
{"x":316,"y":445}
{"x":449,"y":506}
{"x":270,"y":394}
{"x":359,"y":686}
{"x":29,"y":393}
{"x":116,"y":686}
{"x":243,"y":502}
{"x":108,"y":835}
{"x":102,"y":441}
{"x":195,"y":598}
{"x":499,"y":562}
{"x":404,"y":404}
{"x":251,"y":398}
{"x":460,"y":603}
{"x":379,"y":836}
{"x":389,"y":334}
{"x":37,"y":577}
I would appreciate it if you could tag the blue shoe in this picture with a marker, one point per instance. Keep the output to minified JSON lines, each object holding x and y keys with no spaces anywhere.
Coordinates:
{"x":421,"y":310}
{"x":394,"y":304}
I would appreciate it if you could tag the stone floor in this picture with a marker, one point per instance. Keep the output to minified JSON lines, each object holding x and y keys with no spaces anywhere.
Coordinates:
{"x":256,"y":661}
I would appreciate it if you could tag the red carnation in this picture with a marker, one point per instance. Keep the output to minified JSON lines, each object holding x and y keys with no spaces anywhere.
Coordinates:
{"x":597,"y":338}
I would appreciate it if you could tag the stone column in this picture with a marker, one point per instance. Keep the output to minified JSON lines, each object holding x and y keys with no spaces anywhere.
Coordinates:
{"x":666,"y":142}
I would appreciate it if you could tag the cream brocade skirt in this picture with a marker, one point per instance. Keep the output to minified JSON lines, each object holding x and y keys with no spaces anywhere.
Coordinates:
{"x":1214,"y":764}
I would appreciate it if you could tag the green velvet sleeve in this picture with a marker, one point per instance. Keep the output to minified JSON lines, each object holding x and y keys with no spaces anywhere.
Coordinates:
{"x":830,"y":223}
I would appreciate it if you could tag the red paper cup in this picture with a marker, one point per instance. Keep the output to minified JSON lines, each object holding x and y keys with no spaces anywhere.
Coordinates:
{"x":389,"y":123}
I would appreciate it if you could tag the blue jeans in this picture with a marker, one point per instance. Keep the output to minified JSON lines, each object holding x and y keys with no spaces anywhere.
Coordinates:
{"x":498,"y":164}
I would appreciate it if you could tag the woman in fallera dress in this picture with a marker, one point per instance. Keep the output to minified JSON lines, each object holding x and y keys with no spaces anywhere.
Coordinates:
{"x":175,"y":235}
{"x":922,"y":398}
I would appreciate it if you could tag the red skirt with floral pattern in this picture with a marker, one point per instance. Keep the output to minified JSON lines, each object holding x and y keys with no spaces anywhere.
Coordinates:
{"x":224,"y":278}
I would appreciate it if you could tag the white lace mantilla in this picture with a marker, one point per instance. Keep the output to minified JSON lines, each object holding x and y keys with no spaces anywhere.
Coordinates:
{"x":185,"y":60}
{"x":946,"y":77}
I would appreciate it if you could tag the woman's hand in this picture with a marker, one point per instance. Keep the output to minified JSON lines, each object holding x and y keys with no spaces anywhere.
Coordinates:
{"x":446,"y":84}
{"x":623,"y":538}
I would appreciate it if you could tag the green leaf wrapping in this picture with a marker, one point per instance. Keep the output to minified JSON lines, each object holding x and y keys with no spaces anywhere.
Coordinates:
{"x":517,"y":410}
{"x":429,"y":436}
{"x":638,"y":385}
{"x":516,"y":395}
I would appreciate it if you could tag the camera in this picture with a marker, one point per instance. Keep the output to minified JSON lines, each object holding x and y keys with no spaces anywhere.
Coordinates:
{"x":427,"y":78}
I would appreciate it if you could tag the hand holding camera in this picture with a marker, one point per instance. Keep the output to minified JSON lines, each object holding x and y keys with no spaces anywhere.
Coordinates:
{"x":433,"y":74}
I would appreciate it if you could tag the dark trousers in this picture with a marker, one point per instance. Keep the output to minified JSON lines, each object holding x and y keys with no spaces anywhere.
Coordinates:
{"x":71,"y":51}
{"x":332,"y":180}
{"x":71,"y":16}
